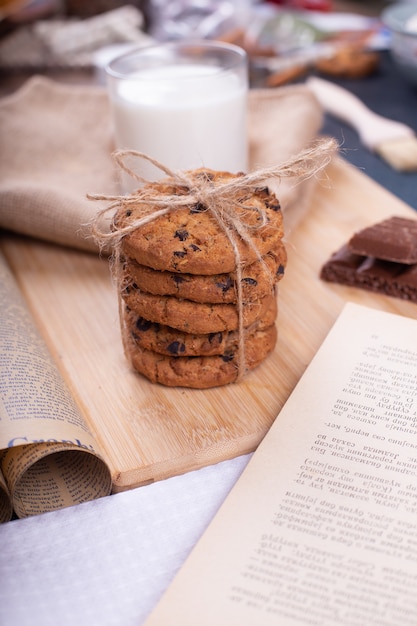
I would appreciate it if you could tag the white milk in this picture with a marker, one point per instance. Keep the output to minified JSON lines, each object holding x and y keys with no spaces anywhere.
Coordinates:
{"x":185,"y":116}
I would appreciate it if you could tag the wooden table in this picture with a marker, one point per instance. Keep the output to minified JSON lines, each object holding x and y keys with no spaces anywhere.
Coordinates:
{"x":149,"y":432}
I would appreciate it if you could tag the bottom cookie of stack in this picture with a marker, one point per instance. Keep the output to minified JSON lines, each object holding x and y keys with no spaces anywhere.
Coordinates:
{"x":201,"y":372}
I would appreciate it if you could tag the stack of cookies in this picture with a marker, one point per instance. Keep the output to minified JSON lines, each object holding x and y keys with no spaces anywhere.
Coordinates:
{"x":181,"y":310}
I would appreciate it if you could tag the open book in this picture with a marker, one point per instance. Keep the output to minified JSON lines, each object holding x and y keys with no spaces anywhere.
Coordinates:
{"x":321,"y":527}
{"x":49,"y":458}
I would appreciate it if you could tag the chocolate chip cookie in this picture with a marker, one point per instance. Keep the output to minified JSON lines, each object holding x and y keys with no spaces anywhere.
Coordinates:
{"x":201,"y":372}
{"x":189,"y":239}
{"x":258,"y":279}
{"x":194,"y":317}
{"x":172,"y":342}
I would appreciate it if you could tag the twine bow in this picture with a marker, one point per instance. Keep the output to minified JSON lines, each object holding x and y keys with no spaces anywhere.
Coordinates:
{"x":221,"y":199}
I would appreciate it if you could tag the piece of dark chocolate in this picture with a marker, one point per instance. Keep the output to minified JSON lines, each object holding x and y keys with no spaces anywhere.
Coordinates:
{"x":393,"y":239}
{"x":398,"y":280}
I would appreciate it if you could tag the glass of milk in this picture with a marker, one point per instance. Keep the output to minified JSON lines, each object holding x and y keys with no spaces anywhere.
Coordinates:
{"x":183,"y":103}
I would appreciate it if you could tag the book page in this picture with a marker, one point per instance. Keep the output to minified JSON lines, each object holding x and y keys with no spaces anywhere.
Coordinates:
{"x":321,"y":528}
{"x":50,"y":459}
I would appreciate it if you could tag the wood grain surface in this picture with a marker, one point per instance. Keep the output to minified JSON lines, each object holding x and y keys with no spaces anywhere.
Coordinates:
{"x":148,"y":432}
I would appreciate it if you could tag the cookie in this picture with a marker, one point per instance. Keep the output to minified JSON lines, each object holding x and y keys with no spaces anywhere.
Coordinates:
{"x":200,"y":372}
{"x":258,"y":279}
{"x":189,"y":238}
{"x":193,"y":317}
{"x":166,"y":340}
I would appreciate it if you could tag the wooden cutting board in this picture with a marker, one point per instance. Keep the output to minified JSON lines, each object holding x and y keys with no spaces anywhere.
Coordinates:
{"x":148,"y":432}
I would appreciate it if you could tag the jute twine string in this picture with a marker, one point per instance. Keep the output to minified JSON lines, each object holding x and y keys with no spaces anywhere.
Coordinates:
{"x":224,"y":201}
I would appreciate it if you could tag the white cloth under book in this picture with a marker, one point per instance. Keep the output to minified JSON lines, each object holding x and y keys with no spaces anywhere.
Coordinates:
{"x":107,"y":562}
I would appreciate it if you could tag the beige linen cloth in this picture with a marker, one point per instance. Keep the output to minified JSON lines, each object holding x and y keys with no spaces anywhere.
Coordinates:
{"x":56,"y":142}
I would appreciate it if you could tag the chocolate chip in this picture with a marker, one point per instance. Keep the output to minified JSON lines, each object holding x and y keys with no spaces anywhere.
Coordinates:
{"x":177,"y":278}
{"x":262,"y":191}
{"x":180,"y":253}
{"x":194,"y":247}
{"x":228,"y":356}
{"x":250,"y":281}
{"x":274,"y":205}
{"x":142,"y":324}
{"x":226,"y":285}
{"x":128,"y":213}
{"x":176,"y":347}
{"x":182,"y":234}
{"x":198,"y":208}
{"x":280,"y":270}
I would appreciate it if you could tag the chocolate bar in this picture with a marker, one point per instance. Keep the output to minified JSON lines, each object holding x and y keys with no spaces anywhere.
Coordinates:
{"x":398,"y":280}
{"x":394,"y":239}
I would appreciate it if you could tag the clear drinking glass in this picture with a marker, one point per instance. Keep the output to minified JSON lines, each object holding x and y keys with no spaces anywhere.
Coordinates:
{"x":183,"y":103}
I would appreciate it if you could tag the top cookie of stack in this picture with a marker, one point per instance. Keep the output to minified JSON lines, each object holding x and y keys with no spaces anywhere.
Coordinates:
{"x":179,"y":279}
